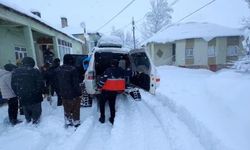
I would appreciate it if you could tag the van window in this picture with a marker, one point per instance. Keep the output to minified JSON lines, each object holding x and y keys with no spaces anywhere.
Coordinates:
{"x":103,"y":59}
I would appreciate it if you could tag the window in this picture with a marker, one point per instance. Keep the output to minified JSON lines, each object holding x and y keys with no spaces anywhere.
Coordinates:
{"x":232,"y":50}
{"x":189,"y":52}
{"x":211,"y":51}
{"x":159,"y":53}
{"x":20,"y":52}
{"x":64,"y":47}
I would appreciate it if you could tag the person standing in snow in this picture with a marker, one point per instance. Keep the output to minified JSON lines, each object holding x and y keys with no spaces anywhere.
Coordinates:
{"x":52,"y":80}
{"x":69,"y":90}
{"x":27,"y":83}
{"x":113,"y":72}
{"x":8,"y":93}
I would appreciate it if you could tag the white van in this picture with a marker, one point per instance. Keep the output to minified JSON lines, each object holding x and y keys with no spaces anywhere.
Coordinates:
{"x":144,"y":72}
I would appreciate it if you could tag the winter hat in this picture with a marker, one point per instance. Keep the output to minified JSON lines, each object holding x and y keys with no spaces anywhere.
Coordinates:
{"x":68,"y":59}
{"x":10,"y":67}
{"x":28,"y":61}
{"x":56,"y":62}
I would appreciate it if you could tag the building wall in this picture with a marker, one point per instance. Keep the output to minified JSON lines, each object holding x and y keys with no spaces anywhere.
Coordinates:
{"x":180,"y":52}
{"x":200,"y":52}
{"x":221,"y":50}
{"x":162,"y":54}
{"x":9,"y":38}
{"x":25,"y":36}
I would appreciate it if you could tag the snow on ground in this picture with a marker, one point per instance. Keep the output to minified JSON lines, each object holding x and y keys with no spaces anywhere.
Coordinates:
{"x":193,"y":109}
{"x":218,"y":101}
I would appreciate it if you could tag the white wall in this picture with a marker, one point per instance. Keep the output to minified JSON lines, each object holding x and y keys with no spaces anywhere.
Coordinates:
{"x":200,"y":52}
{"x":180,"y":52}
{"x":166,"y":57}
{"x":221,"y":50}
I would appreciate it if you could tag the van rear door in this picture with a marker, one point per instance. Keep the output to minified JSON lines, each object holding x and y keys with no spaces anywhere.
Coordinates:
{"x":89,"y":79}
{"x":145,"y":76}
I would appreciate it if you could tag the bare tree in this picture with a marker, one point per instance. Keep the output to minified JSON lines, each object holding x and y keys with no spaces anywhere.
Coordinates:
{"x":158,"y":17}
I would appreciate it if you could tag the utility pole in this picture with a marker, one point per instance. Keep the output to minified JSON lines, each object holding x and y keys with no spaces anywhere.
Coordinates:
{"x":133,"y":27}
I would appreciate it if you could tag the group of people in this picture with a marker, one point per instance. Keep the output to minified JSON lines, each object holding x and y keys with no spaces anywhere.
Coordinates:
{"x":26,"y":86}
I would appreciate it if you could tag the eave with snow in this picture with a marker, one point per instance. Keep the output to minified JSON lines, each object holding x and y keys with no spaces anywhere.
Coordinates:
{"x":23,"y":33}
{"x":195,"y":44}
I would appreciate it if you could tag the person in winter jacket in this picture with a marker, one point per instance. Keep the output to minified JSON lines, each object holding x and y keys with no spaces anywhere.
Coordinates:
{"x":8,"y":93}
{"x":113,"y":72}
{"x":52,"y":80}
{"x":69,"y":90}
{"x":28,"y":85}
{"x":44,"y":71}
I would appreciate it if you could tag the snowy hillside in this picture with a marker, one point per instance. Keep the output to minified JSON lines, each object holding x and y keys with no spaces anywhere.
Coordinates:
{"x":193,"y":109}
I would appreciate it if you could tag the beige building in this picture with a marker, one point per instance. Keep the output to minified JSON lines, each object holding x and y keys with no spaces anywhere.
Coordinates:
{"x":24,"y":33}
{"x":196,"y":45}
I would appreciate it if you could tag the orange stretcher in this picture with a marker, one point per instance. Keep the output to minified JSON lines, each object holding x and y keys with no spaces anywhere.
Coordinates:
{"x":114,"y":85}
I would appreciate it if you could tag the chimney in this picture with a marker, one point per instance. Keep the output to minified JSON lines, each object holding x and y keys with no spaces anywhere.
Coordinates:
{"x":64,"y":22}
{"x":37,"y":13}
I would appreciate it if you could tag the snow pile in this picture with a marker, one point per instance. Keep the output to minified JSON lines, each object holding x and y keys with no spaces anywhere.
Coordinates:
{"x":219,"y":101}
{"x":181,"y":31}
{"x":243,"y":65}
{"x":110,"y":41}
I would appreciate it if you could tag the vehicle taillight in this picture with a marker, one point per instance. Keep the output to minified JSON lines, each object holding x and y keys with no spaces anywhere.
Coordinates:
{"x":157,"y":79}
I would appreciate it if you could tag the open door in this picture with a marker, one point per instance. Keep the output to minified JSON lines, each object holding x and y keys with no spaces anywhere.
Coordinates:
{"x":145,"y":76}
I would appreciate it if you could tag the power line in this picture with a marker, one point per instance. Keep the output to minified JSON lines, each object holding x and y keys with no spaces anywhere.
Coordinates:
{"x":209,"y":3}
{"x":116,"y":15}
{"x":141,"y":19}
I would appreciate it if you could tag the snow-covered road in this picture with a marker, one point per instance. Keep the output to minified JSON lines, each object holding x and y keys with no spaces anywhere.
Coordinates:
{"x":192,"y":110}
{"x":148,"y":124}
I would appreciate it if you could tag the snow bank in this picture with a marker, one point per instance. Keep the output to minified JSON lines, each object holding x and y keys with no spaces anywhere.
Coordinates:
{"x":219,"y":101}
{"x":181,"y":31}
{"x":243,"y":65}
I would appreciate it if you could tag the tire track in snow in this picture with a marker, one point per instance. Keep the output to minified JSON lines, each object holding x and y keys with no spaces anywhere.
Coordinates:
{"x":127,"y":132}
{"x":138,"y":128}
{"x":205,"y":137}
{"x":79,"y":137}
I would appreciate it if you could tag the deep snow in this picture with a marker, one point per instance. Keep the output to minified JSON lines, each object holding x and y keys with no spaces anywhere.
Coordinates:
{"x":192,"y":109}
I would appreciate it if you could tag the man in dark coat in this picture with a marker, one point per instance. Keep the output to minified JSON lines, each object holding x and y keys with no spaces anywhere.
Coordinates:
{"x":69,"y":90}
{"x":27,"y":83}
{"x":52,"y":80}
{"x":113,"y":72}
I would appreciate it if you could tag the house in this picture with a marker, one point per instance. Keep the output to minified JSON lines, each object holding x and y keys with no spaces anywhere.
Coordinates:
{"x":90,"y":38}
{"x":196,"y":44}
{"x":24,"y":33}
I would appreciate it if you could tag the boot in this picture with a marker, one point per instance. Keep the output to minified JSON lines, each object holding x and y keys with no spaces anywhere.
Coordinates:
{"x":111,"y":120}
{"x":102,"y":119}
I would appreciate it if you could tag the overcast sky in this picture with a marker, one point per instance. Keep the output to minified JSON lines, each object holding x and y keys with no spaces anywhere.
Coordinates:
{"x":96,"y":12}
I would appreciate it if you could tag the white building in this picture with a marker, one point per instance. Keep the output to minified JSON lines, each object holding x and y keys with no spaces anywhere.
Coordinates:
{"x":196,"y":44}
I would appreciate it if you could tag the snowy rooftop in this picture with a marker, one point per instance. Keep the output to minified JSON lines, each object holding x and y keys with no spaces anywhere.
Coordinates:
{"x":36,"y":18}
{"x":181,"y":31}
